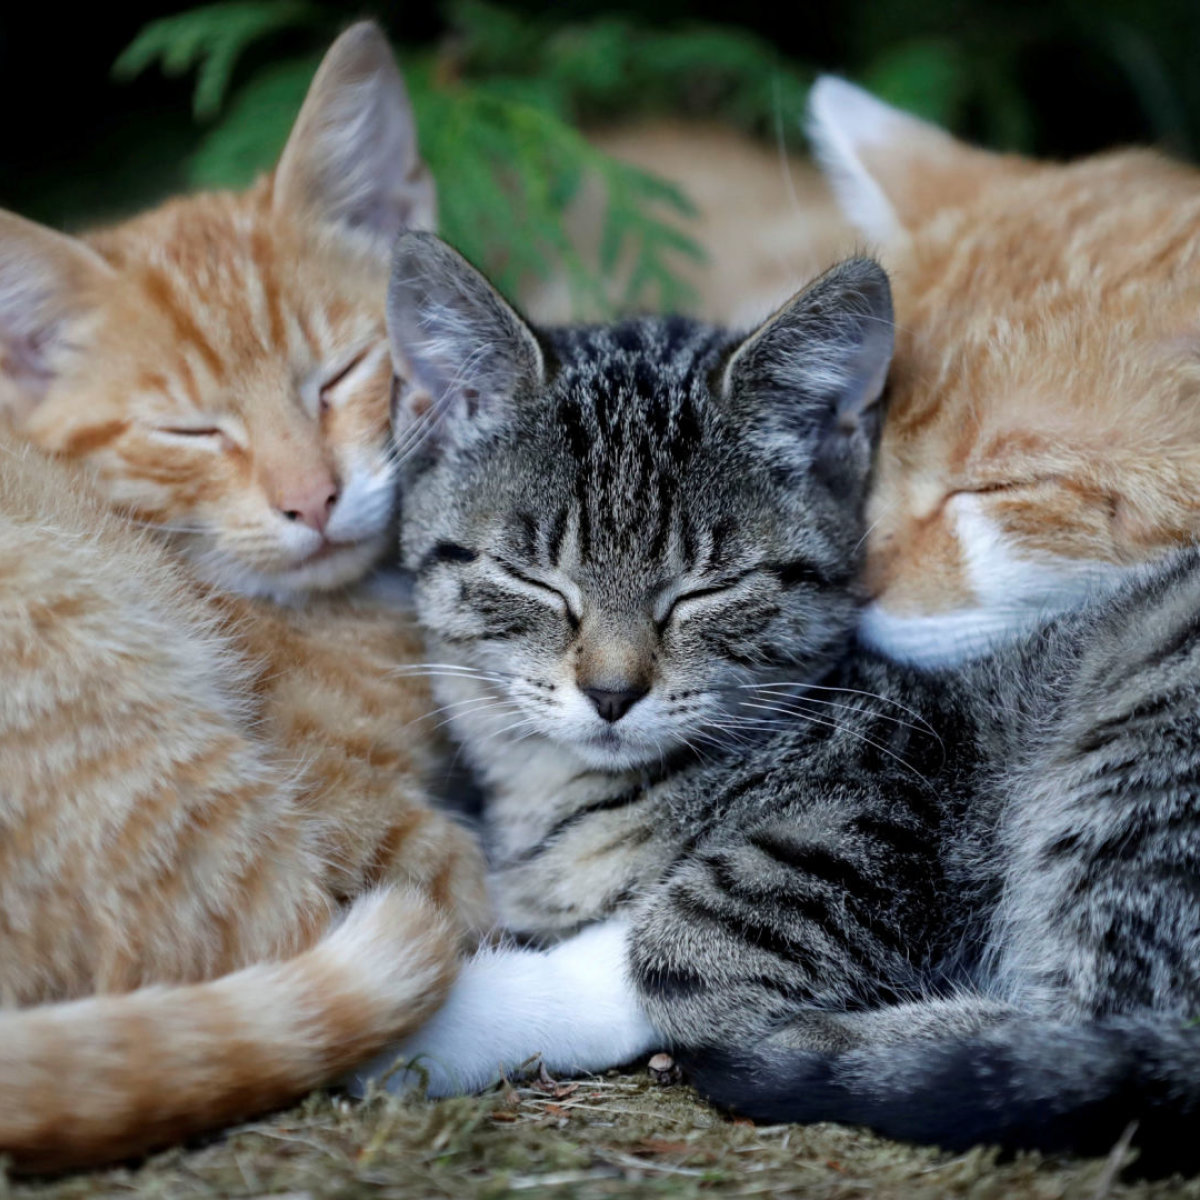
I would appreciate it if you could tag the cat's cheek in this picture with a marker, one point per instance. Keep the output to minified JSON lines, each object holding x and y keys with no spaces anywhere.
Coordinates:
{"x":367,"y":501}
{"x":1008,"y":590}
{"x":441,"y":605}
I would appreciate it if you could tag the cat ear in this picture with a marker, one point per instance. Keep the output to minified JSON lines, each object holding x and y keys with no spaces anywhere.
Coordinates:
{"x":50,"y":286}
{"x":809,"y":381}
{"x":461,"y":349}
{"x":351,"y":161}
{"x":890,"y":170}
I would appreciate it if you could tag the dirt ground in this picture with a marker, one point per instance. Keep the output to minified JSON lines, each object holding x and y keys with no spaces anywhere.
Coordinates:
{"x":618,"y":1135}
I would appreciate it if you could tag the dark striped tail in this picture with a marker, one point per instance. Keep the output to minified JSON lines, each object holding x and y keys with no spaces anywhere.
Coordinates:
{"x":1022,"y":1085}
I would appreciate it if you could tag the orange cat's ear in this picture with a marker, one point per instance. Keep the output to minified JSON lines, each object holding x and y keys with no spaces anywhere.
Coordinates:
{"x":889,"y":170}
{"x":458,"y":345}
{"x":351,"y":162}
{"x":50,"y":288}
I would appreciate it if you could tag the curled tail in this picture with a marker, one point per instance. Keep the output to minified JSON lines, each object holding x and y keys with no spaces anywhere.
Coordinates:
{"x":1021,"y":1085}
{"x":108,"y":1077}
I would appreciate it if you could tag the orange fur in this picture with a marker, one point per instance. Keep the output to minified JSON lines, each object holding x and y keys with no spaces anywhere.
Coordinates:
{"x":220,"y":362}
{"x":764,"y":218}
{"x":221,"y":881}
{"x":1043,"y":423}
{"x":170,"y":818}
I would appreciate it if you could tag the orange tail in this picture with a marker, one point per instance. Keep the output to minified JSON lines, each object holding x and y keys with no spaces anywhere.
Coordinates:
{"x":108,"y":1077}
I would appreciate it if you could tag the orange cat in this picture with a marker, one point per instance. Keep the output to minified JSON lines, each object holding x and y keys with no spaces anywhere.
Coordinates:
{"x":195,"y":784}
{"x":173,"y":810}
{"x":221,"y":361}
{"x":1043,"y":428}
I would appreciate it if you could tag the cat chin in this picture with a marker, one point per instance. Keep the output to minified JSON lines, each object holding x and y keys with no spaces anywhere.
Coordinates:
{"x":612,"y":752}
{"x":338,"y":568}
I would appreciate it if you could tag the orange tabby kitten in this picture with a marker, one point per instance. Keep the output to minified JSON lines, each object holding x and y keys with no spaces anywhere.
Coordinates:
{"x":220,"y":361}
{"x":162,"y":825}
{"x":1043,"y":428}
{"x":195,"y":783}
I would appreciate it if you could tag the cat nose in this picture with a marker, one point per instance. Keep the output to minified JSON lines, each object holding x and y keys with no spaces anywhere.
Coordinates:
{"x":613,"y":705}
{"x":311,"y":504}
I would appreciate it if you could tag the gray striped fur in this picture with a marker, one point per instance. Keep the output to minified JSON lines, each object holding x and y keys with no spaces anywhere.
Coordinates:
{"x":957,"y":907}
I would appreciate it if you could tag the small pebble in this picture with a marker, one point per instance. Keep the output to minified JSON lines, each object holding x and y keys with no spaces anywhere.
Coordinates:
{"x":664,"y":1071}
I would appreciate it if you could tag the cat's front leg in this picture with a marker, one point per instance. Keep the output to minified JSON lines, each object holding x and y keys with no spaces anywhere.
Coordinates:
{"x":830,"y":904}
{"x":603,"y":839}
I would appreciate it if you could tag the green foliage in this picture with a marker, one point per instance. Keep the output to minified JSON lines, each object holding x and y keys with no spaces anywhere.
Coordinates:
{"x":928,"y":77}
{"x":612,"y":66}
{"x":500,"y":100}
{"x":211,"y":39}
{"x":507,"y":159}
{"x":251,"y":132}
{"x":508,"y":166}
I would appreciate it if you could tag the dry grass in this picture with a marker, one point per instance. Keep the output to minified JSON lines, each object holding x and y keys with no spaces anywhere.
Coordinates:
{"x":621,"y":1135}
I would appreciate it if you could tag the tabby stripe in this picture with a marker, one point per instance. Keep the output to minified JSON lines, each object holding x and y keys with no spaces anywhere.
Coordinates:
{"x":901,"y":838}
{"x":669,"y":983}
{"x":447,"y":552}
{"x":1182,"y":640}
{"x":813,"y":908}
{"x":630,"y":839}
{"x":737,"y":790}
{"x":914,"y":797}
{"x":528,"y":531}
{"x":1107,"y":731}
{"x":840,"y":928}
{"x":720,"y":534}
{"x":1145,"y":949}
{"x":608,"y":804}
{"x":755,"y":933}
{"x":558,"y":531}
{"x":1126,"y":843}
{"x":503,"y":633}
{"x":779,"y":987}
{"x":803,"y":572}
{"x":819,"y":864}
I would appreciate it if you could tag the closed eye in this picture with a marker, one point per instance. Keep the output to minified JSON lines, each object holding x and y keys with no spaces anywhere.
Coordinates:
{"x":546,"y":590}
{"x":986,"y":487}
{"x":193,"y":433}
{"x":325,"y":393}
{"x":685,"y":598}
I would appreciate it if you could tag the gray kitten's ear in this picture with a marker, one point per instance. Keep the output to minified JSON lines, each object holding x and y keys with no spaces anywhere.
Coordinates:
{"x":51,"y":288}
{"x":810,"y":380}
{"x":351,"y":161}
{"x":460,"y":349}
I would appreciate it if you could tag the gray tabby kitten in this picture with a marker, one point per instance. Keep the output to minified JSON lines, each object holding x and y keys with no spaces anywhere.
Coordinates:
{"x":957,"y":907}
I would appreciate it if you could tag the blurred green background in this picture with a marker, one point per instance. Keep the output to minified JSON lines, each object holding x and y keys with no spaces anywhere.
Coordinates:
{"x":204,"y":96}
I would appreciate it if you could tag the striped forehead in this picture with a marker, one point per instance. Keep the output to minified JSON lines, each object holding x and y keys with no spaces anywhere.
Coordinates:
{"x":630,"y":412}
{"x":228,"y":290}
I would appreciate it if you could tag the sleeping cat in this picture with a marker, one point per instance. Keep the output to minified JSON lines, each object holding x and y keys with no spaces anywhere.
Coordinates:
{"x":221,"y":362}
{"x":957,"y":906}
{"x":196,"y":783}
{"x":1043,"y":430}
{"x":162,"y":823}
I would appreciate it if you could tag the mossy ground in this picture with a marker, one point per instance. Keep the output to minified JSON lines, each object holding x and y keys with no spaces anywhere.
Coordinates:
{"x":620,"y":1135}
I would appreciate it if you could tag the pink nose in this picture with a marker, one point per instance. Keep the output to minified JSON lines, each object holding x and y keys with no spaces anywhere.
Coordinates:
{"x":310,"y":502}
